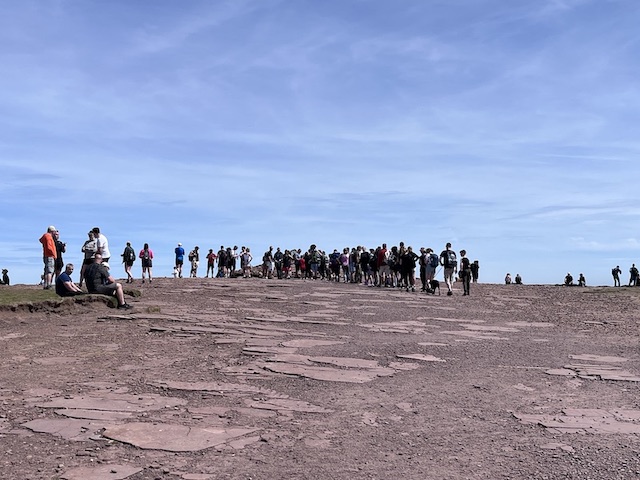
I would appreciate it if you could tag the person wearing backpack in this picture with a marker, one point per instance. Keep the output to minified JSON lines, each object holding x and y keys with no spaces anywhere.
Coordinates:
{"x":147,"y":261}
{"x":179,"y":251}
{"x":194,"y":259}
{"x":465,"y":272}
{"x":449,"y":261}
{"x":432,"y":263}
{"x":128,"y":257}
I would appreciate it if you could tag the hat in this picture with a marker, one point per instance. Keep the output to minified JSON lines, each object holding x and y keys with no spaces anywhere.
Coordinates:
{"x":179,"y":244}
{"x":51,"y":229}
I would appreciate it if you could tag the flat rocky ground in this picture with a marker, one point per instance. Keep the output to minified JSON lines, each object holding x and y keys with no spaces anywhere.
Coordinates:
{"x":268,"y":379}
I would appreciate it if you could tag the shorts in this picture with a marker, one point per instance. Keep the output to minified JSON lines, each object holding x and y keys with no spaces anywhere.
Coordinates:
{"x":147,"y":263}
{"x":49,"y":264}
{"x":385,"y":270}
{"x":179,"y":262}
{"x":108,"y":289}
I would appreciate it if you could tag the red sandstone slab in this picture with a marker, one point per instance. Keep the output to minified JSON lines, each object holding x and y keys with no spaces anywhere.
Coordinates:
{"x":101,"y":472}
{"x":173,"y":438}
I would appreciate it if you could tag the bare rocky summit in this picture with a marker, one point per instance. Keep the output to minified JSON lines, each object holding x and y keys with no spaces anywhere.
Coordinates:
{"x":290,"y":379}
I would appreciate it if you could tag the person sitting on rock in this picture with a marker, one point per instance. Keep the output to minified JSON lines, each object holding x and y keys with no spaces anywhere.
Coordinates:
{"x":518,"y":279}
{"x":99,"y":280}
{"x":5,"y":277}
{"x":507,"y":279}
{"x":64,"y":285}
{"x":568,"y":280}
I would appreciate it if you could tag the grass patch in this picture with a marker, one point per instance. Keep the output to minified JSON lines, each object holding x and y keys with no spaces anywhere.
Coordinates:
{"x":22,"y":295}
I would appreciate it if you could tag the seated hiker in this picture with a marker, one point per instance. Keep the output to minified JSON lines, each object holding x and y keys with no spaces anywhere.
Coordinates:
{"x":64,"y":285}
{"x":100,"y":281}
{"x":582,"y":282}
{"x":568,"y":280}
{"x":5,"y":277}
{"x":507,"y":279}
{"x":518,"y":279}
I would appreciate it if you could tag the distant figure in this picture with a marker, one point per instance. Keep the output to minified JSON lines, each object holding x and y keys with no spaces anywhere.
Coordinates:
{"x":146,"y":255}
{"x":179,"y":259}
{"x":245,"y":262}
{"x":99,"y":280}
{"x":49,"y":255}
{"x":465,"y":271}
{"x":475,"y":266}
{"x":234,"y":259}
{"x":582,"y":282}
{"x":194,"y":258}
{"x":267,"y":263}
{"x":89,"y":249}
{"x":568,"y":280}
{"x":616,"y":272}
{"x":64,"y":285}
{"x":507,"y":279}
{"x":61,"y":248}
{"x":518,"y":279}
{"x":211,"y":261}
{"x":5,"y":277}
{"x":128,"y":257}
{"x":633,"y":275}
{"x":450,"y":263}
{"x":102,"y":245}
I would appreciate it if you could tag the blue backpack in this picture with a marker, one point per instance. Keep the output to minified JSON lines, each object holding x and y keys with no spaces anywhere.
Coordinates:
{"x":434,"y":261}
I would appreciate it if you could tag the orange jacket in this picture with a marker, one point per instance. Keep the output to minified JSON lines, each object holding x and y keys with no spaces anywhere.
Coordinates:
{"x":48,"y":246}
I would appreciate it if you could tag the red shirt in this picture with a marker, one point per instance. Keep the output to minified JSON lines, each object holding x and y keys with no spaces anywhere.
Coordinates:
{"x":48,"y":246}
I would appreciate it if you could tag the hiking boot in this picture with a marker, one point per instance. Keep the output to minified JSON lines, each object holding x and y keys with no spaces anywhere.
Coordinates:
{"x":125,"y":306}
{"x":449,"y":293}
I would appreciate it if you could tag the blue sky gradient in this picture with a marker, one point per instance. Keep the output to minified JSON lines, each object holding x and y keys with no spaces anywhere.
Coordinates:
{"x":507,"y":128}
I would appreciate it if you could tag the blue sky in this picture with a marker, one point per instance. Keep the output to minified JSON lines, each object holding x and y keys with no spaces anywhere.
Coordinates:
{"x":507,"y":128}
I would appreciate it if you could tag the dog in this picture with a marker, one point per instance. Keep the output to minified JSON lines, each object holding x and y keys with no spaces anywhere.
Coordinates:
{"x":433,"y":286}
{"x":175,"y":272}
{"x":5,"y":277}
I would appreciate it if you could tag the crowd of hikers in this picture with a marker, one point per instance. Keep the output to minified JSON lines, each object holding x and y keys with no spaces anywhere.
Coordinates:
{"x":393,"y":267}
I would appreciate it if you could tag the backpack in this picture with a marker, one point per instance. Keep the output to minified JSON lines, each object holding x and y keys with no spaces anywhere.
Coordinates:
{"x":130,"y":255}
{"x":450,"y":259}
{"x":391,"y":260}
{"x":192,"y":256}
{"x":434,"y":261}
{"x":146,"y":255}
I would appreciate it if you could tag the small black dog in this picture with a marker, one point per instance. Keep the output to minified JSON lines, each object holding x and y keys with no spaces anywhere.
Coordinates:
{"x":433,"y":286}
{"x":5,"y":277}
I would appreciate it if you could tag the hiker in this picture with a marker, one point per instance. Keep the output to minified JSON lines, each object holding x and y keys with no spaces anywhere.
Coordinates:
{"x":146,"y":254}
{"x":65,"y":286}
{"x":194,"y":258}
{"x":88,"y":249}
{"x":475,"y":267}
{"x":179,"y":251}
{"x":99,"y":280}
{"x":465,"y":271}
{"x":128,"y":257}
{"x":450,"y":263}
{"x":48,"y":255}
{"x":568,"y":280}
{"x":582,"y":282}
{"x":61,"y":248}
{"x":5,"y":277}
{"x":507,"y":279}
{"x":102,"y":245}
{"x":633,"y":275}
{"x":616,"y":272}
{"x":518,"y":279}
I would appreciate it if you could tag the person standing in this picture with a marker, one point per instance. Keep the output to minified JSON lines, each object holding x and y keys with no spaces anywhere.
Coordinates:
{"x":179,"y":251}
{"x":211,"y":261}
{"x":61,"y":248}
{"x":194,"y":259}
{"x":102,"y":244}
{"x":633,"y":275}
{"x":465,"y":270}
{"x":128,"y":257}
{"x":245,"y":261}
{"x":64,"y":285}
{"x":616,"y":272}
{"x":408,"y":268}
{"x":475,"y":267}
{"x":449,"y":261}
{"x":88,"y":249}
{"x":146,"y":255}
{"x":49,"y":255}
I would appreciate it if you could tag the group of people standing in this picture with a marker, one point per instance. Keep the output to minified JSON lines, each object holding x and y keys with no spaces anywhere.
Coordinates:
{"x":634,"y":276}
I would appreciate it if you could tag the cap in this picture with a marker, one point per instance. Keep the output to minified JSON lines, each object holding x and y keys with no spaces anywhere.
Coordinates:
{"x":179,"y":244}
{"x":51,"y":229}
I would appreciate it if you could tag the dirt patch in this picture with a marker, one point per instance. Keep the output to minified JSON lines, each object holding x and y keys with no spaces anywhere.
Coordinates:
{"x":255,"y":378}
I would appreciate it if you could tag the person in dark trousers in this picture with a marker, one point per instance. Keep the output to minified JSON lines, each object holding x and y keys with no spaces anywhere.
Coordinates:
{"x":465,"y":271}
{"x":633,"y":275}
{"x":475,"y":267}
{"x":616,"y":272}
